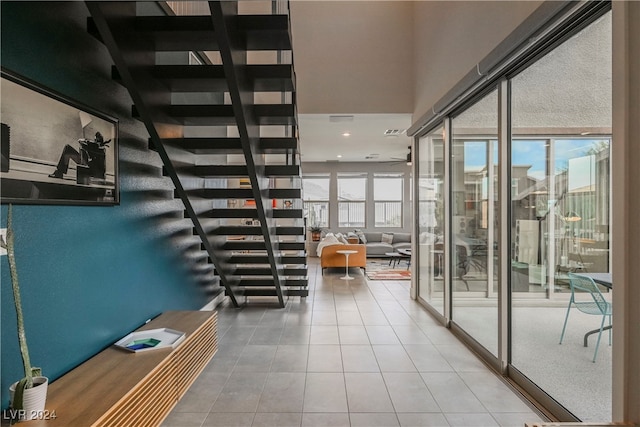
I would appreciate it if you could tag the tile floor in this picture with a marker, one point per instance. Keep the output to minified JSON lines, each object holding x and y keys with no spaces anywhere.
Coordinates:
{"x":356,"y":353}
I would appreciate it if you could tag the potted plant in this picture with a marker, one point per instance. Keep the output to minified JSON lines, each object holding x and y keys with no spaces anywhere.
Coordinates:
{"x":28,"y":396}
{"x":316,"y":233}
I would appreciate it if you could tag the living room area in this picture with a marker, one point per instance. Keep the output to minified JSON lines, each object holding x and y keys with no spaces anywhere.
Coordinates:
{"x":433,"y":350}
{"x":364,"y":207}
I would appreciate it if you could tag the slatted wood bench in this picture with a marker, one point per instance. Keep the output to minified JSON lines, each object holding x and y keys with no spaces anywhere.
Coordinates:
{"x":119,"y":388}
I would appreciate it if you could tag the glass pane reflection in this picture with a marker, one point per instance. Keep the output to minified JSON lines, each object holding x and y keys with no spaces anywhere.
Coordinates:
{"x":474,"y":170}
{"x":431,"y":219}
{"x":560,"y":166}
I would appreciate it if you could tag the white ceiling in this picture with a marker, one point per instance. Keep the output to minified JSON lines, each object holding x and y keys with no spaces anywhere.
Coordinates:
{"x":364,"y":58}
{"x":353,"y":58}
{"x":321,"y":137}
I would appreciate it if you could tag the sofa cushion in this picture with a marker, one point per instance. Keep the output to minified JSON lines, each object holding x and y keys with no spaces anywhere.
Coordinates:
{"x":341,"y":238}
{"x":361,"y":236}
{"x":401,"y":238}
{"x":403,"y":245}
{"x":328,"y":240}
{"x":378,"y":249}
{"x":387,"y":238}
{"x":373,"y":236}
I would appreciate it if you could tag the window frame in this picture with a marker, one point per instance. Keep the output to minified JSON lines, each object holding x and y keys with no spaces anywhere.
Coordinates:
{"x":376,"y":202}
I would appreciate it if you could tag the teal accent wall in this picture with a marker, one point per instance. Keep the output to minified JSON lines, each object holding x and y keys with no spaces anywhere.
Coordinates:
{"x":88,"y":274}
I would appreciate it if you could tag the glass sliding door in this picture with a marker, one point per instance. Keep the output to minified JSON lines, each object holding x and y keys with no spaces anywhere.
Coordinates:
{"x":560,"y":205}
{"x":552,"y":222}
{"x":474,"y":162}
{"x":431,"y":199}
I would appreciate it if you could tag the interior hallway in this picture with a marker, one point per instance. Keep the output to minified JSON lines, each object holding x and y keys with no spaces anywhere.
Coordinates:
{"x":354,"y":353}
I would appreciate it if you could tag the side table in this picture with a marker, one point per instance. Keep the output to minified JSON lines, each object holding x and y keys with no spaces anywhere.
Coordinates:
{"x":346,"y":254}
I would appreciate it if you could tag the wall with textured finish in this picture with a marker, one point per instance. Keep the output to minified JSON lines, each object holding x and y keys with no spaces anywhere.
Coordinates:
{"x":88,"y":275}
{"x":353,"y":56}
{"x":451,"y":37}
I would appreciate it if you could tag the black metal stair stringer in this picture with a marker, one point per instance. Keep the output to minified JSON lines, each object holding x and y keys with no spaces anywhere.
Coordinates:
{"x":234,"y":58}
{"x":114,"y":22}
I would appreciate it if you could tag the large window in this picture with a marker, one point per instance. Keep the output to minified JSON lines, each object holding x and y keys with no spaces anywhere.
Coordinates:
{"x":364,"y":197}
{"x":352,"y":194}
{"x":526,"y":193}
{"x":387,"y":196}
{"x":316,"y":200}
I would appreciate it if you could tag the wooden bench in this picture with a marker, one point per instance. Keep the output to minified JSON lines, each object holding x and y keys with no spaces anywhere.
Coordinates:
{"x":120,"y":388}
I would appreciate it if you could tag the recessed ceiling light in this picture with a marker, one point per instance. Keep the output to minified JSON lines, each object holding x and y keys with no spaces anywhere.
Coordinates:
{"x":339,"y":156}
{"x":346,"y":134}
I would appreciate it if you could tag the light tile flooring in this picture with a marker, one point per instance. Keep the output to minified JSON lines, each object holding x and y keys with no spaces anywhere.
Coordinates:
{"x":353,"y":353}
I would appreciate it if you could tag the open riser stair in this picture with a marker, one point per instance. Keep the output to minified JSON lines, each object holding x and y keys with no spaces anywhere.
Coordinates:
{"x":214,"y":84}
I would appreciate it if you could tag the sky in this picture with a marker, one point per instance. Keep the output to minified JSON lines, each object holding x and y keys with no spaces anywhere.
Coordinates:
{"x":532,"y":152}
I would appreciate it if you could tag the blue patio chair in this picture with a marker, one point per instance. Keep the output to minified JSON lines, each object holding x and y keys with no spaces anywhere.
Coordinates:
{"x":598,"y":307}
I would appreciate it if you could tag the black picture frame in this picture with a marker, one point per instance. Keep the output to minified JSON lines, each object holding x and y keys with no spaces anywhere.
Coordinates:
{"x":42,"y":134}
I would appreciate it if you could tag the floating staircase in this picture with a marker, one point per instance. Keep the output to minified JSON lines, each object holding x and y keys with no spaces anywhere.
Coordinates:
{"x":215,"y":88}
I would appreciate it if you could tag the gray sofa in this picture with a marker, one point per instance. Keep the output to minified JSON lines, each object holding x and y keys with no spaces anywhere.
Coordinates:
{"x":376,"y":248}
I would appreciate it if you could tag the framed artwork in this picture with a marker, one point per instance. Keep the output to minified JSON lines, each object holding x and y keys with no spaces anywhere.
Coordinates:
{"x":54,"y":150}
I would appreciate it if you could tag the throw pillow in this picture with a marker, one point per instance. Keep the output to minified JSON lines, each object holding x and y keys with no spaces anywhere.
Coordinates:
{"x":341,"y":238}
{"x":328,"y":240}
{"x":387,"y":238}
{"x":361,"y":236}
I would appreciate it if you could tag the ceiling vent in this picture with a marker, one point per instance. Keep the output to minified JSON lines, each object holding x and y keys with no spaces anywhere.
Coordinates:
{"x":340,"y":119}
{"x":372,"y":156}
{"x":394,"y":132}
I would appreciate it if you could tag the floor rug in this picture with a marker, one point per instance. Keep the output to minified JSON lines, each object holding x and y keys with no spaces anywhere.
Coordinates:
{"x":379,"y":269}
{"x":390,"y":274}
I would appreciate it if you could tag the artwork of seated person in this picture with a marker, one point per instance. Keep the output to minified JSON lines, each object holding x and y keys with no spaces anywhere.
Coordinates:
{"x":91,"y":156}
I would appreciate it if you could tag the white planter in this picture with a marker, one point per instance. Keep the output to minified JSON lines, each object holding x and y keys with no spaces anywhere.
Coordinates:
{"x":34,"y":399}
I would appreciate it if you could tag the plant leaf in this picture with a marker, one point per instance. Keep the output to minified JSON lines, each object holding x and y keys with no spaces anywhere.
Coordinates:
{"x":18,"y":394}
